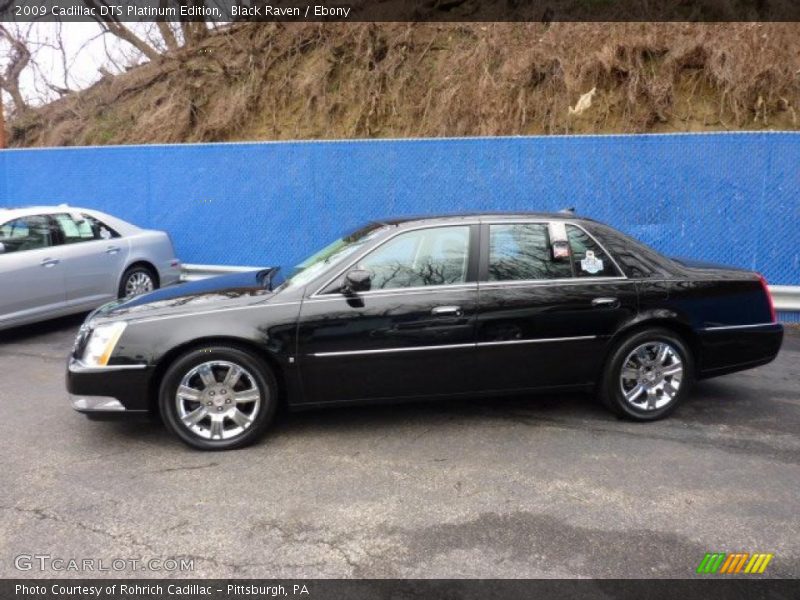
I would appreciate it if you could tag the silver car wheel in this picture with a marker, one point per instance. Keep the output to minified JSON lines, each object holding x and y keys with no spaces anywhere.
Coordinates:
{"x":651,"y":376}
{"x":138,"y":282}
{"x":218,"y":400}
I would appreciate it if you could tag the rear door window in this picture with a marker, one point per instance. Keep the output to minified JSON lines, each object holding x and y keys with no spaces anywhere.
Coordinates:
{"x":82,"y":228}
{"x":521,"y":252}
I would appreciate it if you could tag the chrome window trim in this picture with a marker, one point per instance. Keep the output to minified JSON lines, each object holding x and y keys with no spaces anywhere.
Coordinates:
{"x":541,"y":282}
{"x":395,"y":292}
{"x":751,"y":326}
{"x":318,"y":294}
{"x":521,"y":221}
{"x":451,"y":346}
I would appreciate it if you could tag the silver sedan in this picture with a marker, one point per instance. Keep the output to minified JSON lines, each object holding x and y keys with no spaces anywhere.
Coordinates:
{"x":59,"y":260}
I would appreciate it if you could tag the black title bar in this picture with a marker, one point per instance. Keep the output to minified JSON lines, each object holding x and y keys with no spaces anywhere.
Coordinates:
{"x":220,"y":11}
{"x":732,"y":588}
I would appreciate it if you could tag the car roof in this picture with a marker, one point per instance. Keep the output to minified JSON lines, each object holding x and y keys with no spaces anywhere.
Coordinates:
{"x":566,"y":215}
{"x":121,"y":226}
{"x":24,"y":211}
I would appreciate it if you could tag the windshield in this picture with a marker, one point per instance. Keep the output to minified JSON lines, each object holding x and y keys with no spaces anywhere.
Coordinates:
{"x":331,"y":254}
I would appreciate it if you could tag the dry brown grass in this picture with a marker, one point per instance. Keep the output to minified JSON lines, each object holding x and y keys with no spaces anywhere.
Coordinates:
{"x":401,"y":80}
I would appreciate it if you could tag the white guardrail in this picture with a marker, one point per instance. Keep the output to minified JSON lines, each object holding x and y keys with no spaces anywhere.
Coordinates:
{"x":785,"y":297}
{"x":197,"y":272}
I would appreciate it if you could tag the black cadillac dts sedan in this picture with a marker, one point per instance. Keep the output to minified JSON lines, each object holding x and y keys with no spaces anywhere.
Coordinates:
{"x":426,"y":307}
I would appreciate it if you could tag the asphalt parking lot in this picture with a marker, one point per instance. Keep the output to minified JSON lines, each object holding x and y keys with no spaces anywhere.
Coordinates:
{"x":539,"y":486}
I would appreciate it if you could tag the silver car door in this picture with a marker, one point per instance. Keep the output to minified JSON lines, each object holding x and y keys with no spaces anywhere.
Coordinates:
{"x":93,"y":259}
{"x":31,"y":274}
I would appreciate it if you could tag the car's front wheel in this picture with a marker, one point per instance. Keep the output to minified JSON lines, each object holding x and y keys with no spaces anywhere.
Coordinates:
{"x":647,"y":375}
{"x":218,"y":398}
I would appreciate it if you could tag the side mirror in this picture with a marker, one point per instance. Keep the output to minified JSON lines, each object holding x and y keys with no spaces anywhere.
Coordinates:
{"x":357,"y":280}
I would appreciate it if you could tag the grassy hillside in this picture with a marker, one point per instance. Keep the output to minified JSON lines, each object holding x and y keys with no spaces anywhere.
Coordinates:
{"x":265,"y":82}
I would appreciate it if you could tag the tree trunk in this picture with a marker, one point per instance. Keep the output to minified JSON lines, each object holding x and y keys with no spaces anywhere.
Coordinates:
{"x":166,"y":31}
{"x":2,"y":122}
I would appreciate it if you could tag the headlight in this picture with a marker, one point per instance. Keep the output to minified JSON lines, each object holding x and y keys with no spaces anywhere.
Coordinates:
{"x":101,"y":344}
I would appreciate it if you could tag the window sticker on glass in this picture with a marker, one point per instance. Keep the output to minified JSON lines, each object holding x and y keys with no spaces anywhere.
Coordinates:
{"x":591,"y":264}
{"x":561,"y":249}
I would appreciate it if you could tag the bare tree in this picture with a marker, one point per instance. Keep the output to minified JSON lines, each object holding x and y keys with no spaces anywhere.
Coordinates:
{"x":169,"y":36}
{"x":2,"y":122}
{"x":16,"y":57}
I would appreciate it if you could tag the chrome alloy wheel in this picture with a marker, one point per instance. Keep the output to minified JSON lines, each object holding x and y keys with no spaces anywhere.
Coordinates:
{"x":138,"y":282}
{"x":651,"y":375}
{"x":218,"y":400}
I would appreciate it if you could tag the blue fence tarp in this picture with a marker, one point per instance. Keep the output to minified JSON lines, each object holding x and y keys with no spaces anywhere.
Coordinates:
{"x":728,"y":197}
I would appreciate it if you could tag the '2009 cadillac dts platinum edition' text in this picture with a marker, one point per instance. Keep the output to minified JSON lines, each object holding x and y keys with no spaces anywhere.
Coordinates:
{"x":425,"y":307}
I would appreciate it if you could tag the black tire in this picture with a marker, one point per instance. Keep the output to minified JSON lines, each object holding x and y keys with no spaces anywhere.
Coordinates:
{"x":256,"y":375}
{"x":644,"y":405}
{"x":136,"y":271}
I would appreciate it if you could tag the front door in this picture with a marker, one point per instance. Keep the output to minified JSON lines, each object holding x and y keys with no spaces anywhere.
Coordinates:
{"x":31,"y":274}
{"x":545,"y":322}
{"x":412,"y":334}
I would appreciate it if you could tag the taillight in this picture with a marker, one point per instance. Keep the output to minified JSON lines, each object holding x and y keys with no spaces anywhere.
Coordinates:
{"x":764,"y":285}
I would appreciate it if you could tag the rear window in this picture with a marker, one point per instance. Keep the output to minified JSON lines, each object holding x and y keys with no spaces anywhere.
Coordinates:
{"x":523,"y":252}
{"x":588,"y":257}
{"x":635,"y":258}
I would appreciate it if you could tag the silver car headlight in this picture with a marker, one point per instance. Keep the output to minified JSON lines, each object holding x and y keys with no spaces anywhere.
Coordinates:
{"x":101,"y":344}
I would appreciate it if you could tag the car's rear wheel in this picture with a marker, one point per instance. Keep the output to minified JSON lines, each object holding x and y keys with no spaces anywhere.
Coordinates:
{"x":137,"y":280}
{"x":648,"y":375}
{"x":218,"y":398}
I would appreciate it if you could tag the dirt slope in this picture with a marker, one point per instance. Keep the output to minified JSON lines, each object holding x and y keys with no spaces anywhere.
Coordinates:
{"x":264,"y":82}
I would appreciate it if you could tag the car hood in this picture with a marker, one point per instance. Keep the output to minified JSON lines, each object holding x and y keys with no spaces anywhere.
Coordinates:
{"x":212,"y":293}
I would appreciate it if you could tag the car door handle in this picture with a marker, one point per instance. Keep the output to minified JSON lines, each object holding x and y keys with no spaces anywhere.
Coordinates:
{"x":50,"y":262}
{"x":112,"y":249}
{"x":447,"y":311}
{"x":606,"y":302}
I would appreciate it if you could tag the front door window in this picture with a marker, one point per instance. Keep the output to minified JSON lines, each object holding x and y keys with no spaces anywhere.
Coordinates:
{"x":26,"y":233}
{"x":425,"y":257}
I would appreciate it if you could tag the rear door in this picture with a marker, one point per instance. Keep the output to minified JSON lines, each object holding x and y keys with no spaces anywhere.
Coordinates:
{"x":93,"y":256}
{"x":545,"y":320}
{"x":31,"y":275}
{"x":412,"y":334}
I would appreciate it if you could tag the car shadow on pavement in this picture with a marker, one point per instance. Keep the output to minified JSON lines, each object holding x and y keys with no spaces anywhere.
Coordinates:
{"x":711,"y":404}
{"x":61,"y":325}
{"x":532,"y":409}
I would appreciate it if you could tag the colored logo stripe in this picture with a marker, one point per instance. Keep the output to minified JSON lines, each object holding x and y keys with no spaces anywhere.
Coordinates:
{"x":723,"y":563}
{"x":711,"y":562}
{"x":734,"y":562}
{"x":758,"y":563}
